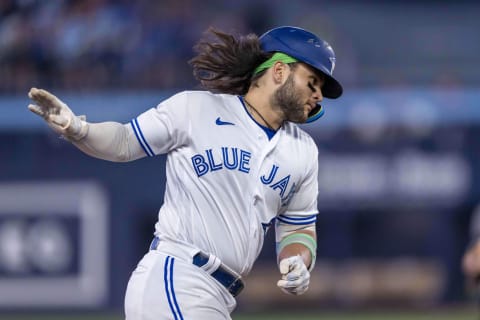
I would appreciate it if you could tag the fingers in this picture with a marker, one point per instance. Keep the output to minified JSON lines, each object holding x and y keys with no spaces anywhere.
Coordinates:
{"x":291,"y":288}
{"x":289,"y":264}
{"x":295,"y":276}
{"x":36,"y":109}
{"x":284,"y":266}
{"x":47,"y":106}
{"x":286,"y":283}
{"x":32,"y":92}
{"x":57,"y":114}
{"x":37,"y":95}
{"x":59,"y":120}
{"x":44,"y":99}
{"x":294,"y":279}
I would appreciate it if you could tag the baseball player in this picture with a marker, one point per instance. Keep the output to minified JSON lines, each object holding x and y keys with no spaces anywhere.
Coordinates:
{"x":237,"y":164}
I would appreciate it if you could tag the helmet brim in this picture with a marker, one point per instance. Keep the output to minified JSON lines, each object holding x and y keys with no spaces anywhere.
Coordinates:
{"x":331,"y":89}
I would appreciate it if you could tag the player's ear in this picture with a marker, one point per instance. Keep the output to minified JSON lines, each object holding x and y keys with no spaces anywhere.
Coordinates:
{"x":279,"y":72}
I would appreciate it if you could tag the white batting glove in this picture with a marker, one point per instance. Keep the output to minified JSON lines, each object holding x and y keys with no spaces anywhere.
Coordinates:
{"x":295,"y":276}
{"x":57,"y":114}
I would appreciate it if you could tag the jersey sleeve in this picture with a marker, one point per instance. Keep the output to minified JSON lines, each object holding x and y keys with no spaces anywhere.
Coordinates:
{"x":302,"y":209}
{"x":164,"y":128}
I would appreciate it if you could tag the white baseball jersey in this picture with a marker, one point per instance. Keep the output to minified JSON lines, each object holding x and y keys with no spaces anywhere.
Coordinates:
{"x":227,"y":182}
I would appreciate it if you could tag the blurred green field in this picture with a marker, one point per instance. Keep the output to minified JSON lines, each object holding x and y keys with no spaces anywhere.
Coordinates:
{"x":470,"y":314}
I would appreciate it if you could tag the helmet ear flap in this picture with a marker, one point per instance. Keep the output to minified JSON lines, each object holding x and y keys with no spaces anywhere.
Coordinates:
{"x":316,"y":113}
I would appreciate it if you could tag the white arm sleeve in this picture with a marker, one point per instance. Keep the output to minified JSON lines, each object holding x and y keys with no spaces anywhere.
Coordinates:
{"x":111,"y":141}
{"x":156,"y":131}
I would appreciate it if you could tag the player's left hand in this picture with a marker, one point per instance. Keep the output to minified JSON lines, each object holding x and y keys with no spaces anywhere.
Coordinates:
{"x":57,"y":114}
{"x":295,"y":275}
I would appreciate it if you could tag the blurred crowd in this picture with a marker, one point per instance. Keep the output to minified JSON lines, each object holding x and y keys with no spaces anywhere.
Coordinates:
{"x":102,"y":44}
{"x":146,"y":44}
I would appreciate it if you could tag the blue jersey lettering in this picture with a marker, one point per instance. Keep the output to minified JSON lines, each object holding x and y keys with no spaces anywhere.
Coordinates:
{"x":199,"y":165}
{"x":231,"y":159}
{"x":245,"y":161}
{"x":271,"y":176}
{"x":230,"y":165}
{"x":282,"y":185}
{"x":211,"y":161}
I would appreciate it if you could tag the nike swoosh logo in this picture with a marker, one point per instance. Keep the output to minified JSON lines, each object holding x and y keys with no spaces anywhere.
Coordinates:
{"x":219,"y":122}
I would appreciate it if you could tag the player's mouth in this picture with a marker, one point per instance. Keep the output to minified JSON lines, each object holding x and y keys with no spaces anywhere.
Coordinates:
{"x":310,"y":107}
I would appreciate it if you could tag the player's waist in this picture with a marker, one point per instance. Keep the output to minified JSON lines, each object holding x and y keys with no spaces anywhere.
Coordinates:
{"x":209,"y":263}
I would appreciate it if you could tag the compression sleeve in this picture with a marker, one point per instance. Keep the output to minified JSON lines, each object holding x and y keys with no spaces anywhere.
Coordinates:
{"x":110,"y":141}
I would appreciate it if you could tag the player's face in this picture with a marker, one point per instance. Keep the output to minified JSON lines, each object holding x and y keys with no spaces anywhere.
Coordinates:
{"x":299,"y":94}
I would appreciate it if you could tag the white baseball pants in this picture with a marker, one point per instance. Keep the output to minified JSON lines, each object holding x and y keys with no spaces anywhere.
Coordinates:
{"x":167,"y":287}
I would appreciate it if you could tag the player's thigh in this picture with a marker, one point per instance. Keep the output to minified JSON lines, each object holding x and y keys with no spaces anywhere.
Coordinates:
{"x":134,"y":306}
{"x":202,"y":301}
{"x":163,"y":287}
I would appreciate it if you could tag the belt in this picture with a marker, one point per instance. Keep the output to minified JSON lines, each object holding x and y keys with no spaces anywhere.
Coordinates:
{"x":217,"y":270}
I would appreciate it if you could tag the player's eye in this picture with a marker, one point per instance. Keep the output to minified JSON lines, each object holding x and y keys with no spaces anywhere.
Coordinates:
{"x":311,"y":86}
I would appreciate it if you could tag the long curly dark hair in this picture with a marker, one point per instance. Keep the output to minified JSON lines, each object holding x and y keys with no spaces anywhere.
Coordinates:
{"x":226,"y":64}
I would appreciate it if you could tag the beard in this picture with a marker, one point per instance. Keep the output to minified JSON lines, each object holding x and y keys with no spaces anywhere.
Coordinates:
{"x":288,"y":100}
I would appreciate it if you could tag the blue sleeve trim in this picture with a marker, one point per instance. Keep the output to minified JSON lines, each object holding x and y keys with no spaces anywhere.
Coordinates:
{"x":141,"y":139}
{"x":297,"y":220}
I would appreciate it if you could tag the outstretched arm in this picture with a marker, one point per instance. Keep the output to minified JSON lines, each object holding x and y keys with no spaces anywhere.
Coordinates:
{"x":111,"y":141}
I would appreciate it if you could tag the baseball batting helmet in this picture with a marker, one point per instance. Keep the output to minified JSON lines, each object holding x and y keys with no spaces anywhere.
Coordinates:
{"x":308,"y":48}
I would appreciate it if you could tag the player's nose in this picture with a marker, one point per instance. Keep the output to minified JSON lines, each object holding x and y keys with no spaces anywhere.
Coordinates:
{"x":317,"y":95}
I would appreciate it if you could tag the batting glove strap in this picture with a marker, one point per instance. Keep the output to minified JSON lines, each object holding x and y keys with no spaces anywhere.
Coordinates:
{"x":77,"y":130}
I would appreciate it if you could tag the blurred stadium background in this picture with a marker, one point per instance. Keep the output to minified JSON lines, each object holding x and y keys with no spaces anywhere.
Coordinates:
{"x":399,"y":154}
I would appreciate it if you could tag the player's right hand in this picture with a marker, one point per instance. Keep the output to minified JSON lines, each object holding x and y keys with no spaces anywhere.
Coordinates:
{"x":295,"y":276}
{"x":57,"y":114}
